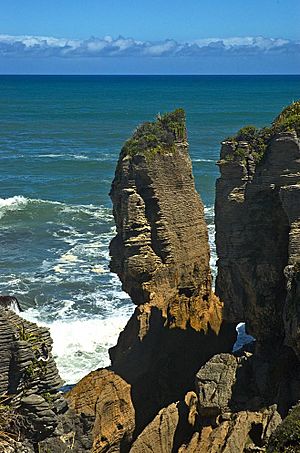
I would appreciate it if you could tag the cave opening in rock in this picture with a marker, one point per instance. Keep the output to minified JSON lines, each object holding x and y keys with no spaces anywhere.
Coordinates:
{"x":242,"y":337}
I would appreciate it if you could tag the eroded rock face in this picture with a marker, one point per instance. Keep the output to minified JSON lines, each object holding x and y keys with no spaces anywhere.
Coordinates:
{"x":242,"y":432}
{"x":33,"y":414}
{"x":171,"y":428}
{"x":258,"y":245}
{"x":161,"y":249}
{"x":161,"y":255}
{"x":106,"y":396}
{"x":257,"y":236}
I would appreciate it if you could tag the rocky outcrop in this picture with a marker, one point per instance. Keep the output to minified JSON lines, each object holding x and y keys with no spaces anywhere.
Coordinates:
{"x":106,"y":396}
{"x":31,"y":407}
{"x":174,"y":385}
{"x":257,"y":226}
{"x":257,"y":236}
{"x":161,"y":255}
{"x":286,"y":437}
{"x":242,"y":432}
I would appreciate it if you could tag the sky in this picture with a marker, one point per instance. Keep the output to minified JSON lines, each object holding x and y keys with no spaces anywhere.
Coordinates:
{"x":150,"y":36}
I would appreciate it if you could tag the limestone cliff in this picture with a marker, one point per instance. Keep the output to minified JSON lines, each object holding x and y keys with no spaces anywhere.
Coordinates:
{"x":161,"y":251}
{"x":161,"y":255}
{"x":174,"y":384}
{"x":257,"y":230}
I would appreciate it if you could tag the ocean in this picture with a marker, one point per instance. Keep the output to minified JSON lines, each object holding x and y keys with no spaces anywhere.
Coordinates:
{"x":60,"y":137}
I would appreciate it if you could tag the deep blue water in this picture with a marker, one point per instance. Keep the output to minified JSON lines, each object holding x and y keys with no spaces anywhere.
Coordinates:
{"x":60,"y":137}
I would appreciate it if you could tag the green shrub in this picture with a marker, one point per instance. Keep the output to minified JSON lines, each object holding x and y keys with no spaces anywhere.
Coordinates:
{"x":158,"y":136}
{"x":258,"y":139}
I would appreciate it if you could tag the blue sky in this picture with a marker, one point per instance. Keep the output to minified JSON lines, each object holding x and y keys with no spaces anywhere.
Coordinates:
{"x":130,"y":36}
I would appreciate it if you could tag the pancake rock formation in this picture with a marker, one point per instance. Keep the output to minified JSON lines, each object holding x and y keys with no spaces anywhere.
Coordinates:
{"x":257,"y":230}
{"x":161,"y":255}
{"x":33,"y":413}
{"x":257,"y":238}
{"x":174,"y":384}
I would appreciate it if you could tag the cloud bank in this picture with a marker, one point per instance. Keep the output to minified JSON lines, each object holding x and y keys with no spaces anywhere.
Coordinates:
{"x":45,"y":46}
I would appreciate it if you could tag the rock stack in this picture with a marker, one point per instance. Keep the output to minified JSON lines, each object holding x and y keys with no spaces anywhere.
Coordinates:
{"x":161,"y":255}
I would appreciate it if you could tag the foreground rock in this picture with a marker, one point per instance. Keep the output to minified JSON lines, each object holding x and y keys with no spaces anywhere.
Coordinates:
{"x":106,"y":396}
{"x":33,"y":413}
{"x":161,"y":255}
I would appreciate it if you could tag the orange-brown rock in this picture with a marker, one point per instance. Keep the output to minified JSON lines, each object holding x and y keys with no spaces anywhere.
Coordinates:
{"x":105,"y":396}
{"x":243,"y":432}
{"x":172,"y":426}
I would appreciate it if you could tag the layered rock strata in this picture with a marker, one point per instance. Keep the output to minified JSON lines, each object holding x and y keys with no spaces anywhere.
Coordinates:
{"x":161,"y":255}
{"x":257,"y":237}
{"x":33,"y":413}
{"x":179,"y":326}
{"x":242,"y":397}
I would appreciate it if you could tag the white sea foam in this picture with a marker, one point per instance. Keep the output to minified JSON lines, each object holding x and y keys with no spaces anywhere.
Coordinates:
{"x":81,"y":345}
{"x":12,"y":204}
{"x":54,"y":156}
{"x":203,"y":160}
{"x":209,"y":211}
{"x":19,"y":202}
{"x":67,"y":156}
{"x":79,"y":157}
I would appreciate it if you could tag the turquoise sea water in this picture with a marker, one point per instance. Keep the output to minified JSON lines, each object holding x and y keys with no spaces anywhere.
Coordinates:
{"x":60,"y":137}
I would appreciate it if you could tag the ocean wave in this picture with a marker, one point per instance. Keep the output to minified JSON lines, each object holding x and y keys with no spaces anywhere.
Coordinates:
{"x":67,"y":156}
{"x":12,"y":204}
{"x":204,"y":160}
{"x":20,"y":203}
{"x":80,"y":346}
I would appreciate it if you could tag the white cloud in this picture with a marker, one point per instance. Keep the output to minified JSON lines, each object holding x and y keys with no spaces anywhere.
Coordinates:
{"x":45,"y":46}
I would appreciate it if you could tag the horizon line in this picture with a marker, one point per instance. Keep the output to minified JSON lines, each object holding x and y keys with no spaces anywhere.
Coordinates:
{"x":148,"y":74}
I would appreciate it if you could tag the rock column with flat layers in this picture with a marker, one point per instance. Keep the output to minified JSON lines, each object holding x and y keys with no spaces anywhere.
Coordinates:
{"x":34,"y":416}
{"x":161,"y":255}
{"x":244,"y":396}
{"x":240,"y":398}
{"x":257,"y":231}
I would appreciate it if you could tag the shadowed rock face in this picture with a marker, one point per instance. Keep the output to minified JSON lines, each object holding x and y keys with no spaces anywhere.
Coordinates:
{"x":257,"y":236}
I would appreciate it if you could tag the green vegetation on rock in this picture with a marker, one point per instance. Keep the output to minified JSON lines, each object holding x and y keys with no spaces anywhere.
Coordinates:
{"x":258,"y":139}
{"x":158,"y":136}
{"x":286,"y":437}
